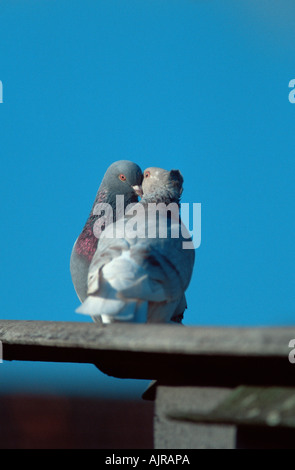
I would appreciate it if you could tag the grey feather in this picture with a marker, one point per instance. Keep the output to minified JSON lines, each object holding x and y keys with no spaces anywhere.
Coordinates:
{"x":86,"y":244}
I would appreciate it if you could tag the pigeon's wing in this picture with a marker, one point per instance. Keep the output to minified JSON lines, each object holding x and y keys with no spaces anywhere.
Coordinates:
{"x":79,"y":269}
{"x":160,"y":280}
{"x":108,"y":250}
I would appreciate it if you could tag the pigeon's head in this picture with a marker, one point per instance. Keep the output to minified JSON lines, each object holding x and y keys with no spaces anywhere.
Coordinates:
{"x":125,"y":178}
{"x":158,"y":180}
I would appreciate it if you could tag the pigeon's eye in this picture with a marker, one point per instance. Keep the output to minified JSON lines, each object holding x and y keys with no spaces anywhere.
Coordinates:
{"x":147,"y":174}
{"x":122,"y":177}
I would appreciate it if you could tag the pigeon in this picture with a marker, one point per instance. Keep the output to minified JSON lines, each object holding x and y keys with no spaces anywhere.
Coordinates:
{"x":123,"y":178}
{"x":140,"y":270}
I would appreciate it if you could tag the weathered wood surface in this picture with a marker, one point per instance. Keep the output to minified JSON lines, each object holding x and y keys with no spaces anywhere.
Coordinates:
{"x":186,"y":433}
{"x":248,"y":406}
{"x":223,"y":356}
{"x":212,"y":341}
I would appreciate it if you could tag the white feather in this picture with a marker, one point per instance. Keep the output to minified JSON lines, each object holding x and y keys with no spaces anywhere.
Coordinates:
{"x":117,"y":275}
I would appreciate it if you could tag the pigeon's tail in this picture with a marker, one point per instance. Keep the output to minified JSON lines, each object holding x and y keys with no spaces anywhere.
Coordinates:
{"x":107,"y":303}
{"x":104,"y":310}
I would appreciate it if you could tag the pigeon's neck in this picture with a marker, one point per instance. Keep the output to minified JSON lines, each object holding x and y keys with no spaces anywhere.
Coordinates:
{"x":163,"y":195}
{"x":87,"y":241}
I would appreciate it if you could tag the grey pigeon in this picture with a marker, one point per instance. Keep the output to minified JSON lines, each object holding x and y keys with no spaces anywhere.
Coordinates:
{"x":139,"y":274}
{"x":121,"y":178}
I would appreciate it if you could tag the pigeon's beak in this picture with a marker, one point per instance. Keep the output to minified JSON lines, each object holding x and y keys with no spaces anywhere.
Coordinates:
{"x":138,"y":190}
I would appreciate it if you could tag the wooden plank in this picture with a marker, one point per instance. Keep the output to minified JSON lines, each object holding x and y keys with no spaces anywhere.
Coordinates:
{"x":248,"y":406}
{"x":211,"y":341}
{"x":188,"y":434}
{"x":223,"y":356}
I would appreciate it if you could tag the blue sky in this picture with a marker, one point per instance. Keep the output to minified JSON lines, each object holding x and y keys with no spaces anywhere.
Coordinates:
{"x":199,"y":86}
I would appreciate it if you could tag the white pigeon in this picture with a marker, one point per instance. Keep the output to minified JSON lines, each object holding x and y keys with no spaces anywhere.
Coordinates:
{"x":140,"y":270}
